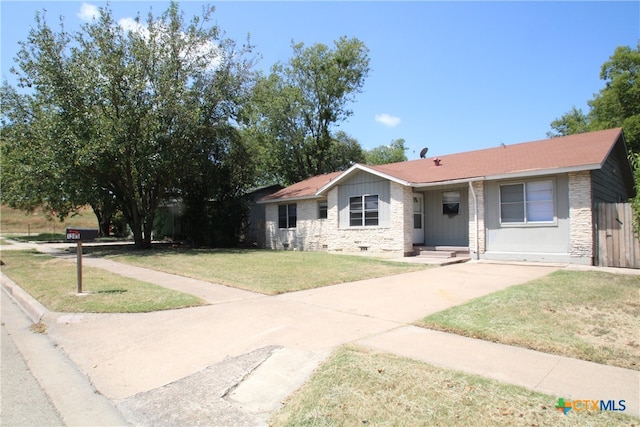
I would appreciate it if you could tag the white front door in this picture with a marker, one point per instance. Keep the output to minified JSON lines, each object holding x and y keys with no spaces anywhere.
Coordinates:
{"x":418,"y":218}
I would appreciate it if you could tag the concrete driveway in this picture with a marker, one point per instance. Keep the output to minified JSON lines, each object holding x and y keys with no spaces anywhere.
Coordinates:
{"x":127,"y":354}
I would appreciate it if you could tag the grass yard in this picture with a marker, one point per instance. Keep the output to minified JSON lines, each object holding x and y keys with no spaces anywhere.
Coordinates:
{"x":357,"y":387}
{"x":53,"y":282}
{"x":264,"y":271}
{"x":592,"y":316}
{"x":13,"y":221}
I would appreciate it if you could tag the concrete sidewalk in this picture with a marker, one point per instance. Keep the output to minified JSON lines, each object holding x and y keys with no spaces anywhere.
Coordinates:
{"x":558,"y":376}
{"x":274,"y":343}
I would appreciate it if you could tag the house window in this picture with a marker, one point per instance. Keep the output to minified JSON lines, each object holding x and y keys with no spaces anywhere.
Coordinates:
{"x":417,"y":212}
{"x":451,"y":203}
{"x":322,"y":209}
{"x":287,"y":216}
{"x":363,"y":211}
{"x":527,"y":202}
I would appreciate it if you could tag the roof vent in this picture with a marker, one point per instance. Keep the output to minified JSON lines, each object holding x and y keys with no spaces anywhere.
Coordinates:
{"x":436,"y":161}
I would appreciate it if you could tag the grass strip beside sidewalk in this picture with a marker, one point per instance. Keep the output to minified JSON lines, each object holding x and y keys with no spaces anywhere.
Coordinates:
{"x":357,"y":387}
{"x":53,"y":282}
{"x":590,"y":315}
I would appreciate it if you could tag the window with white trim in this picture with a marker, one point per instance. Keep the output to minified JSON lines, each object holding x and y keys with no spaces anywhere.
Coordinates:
{"x":287,"y":216}
{"x":527,"y":202}
{"x":363,"y":210}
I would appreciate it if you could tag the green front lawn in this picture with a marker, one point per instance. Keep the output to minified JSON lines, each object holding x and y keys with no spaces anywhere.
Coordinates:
{"x":53,"y":282}
{"x":591,"y":315}
{"x":264,"y":271}
{"x":357,"y":387}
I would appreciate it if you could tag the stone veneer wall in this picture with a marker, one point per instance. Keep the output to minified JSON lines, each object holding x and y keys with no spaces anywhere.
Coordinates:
{"x":312,"y":234}
{"x":394,"y":240}
{"x":308,"y":234}
{"x":478,"y":188}
{"x":581,"y":216}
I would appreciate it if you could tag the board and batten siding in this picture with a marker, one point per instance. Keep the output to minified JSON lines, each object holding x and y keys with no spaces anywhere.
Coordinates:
{"x":444,"y":229}
{"x":365,"y":184}
{"x":608,"y":182}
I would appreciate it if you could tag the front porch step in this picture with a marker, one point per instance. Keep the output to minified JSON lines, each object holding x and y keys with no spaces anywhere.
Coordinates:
{"x":440,"y":251}
{"x":434,"y":254}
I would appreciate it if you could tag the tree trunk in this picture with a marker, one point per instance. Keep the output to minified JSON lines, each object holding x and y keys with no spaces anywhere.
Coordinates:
{"x":101,"y":223}
{"x":138,"y":240}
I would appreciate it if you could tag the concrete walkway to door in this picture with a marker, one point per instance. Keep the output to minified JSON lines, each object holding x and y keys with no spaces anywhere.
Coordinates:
{"x":143,"y":361}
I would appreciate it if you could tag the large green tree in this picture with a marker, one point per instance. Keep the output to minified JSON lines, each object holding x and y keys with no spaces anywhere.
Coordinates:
{"x":297,"y":107}
{"x":616,"y":105}
{"x":392,"y":153}
{"x":121,"y":115}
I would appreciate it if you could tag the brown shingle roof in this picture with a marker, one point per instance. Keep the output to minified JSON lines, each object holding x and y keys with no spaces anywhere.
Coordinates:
{"x":303,"y":189}
{"x":575,"y":152}
{"x":587,"y":150}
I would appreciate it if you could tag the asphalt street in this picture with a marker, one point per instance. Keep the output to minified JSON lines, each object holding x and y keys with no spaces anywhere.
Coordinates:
{"x":33,"y":364}
{"x":24,"y":403}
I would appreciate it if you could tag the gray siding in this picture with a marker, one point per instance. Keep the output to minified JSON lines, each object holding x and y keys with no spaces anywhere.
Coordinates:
{"x":608,"y":183}
{"x":361,"y":184}
{"x":531,"y":238}
{"x":442,"y":229}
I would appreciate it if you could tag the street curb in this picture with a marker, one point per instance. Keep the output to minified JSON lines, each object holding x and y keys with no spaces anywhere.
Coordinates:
{"x":26,"y":302}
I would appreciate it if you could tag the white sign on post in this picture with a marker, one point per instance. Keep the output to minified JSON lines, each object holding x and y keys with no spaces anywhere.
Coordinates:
{"x":73,"y":234}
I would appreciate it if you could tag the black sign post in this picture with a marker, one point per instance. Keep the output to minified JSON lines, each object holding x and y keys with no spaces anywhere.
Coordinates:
{"x":78,"y":235}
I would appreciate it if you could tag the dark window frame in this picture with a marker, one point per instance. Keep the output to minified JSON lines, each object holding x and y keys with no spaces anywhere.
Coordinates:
{"x":452,"y":207}
{"x":287,"y":216}
{"x":323,"y":209}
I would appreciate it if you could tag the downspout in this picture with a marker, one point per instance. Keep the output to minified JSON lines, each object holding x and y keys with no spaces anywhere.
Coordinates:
{"x":475,"y":219}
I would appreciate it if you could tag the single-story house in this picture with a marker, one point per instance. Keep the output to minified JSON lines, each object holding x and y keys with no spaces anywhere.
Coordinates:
{"x":532,"y":201}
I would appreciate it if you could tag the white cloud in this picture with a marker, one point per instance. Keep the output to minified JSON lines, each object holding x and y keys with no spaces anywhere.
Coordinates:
{"x":130,"y":24}
{"x":388,"y":120}
{"x":88,"y":12}
{"x":205,"y":51}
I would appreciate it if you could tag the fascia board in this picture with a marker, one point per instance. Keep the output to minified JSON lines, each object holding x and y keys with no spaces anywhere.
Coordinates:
{"x":541,"y":172}
{"x":287,"y":199}
{"x":512,"y":175}
{"x":449,"y":182}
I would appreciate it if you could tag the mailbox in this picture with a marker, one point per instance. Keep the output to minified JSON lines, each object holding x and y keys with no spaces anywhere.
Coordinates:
{"x":84,"y":234}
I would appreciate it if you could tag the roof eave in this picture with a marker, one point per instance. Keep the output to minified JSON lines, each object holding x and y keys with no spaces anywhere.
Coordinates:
{"x":288,"y":199}
{"x":542,"y":172}
{"x":509,"y":175}
{"x":447,"y":182}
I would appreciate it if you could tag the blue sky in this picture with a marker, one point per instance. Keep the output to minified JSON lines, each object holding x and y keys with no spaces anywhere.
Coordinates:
{"x":451,"y":76}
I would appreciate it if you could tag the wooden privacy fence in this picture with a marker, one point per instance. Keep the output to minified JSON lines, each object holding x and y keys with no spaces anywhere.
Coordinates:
{"x":617,"y":245}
